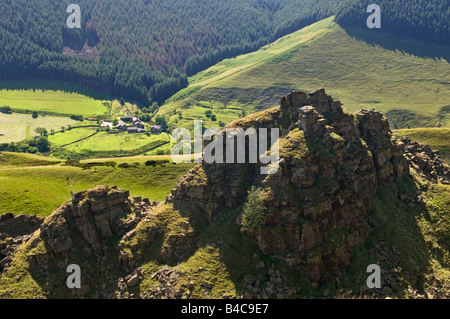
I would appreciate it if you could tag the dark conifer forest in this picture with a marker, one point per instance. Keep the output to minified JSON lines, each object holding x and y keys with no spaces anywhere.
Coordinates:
{"x":427,"y":20}
{"x":145,"y":49}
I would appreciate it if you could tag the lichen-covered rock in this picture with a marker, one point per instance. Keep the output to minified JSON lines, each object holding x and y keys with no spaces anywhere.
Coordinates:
{"x":372,"y":123}
{"x":95,"y":215}
{"x":81,"y":232}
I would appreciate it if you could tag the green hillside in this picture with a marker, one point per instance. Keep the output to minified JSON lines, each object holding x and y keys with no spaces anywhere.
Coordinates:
{"x":363,"y":70}
{"x":31,"y":184}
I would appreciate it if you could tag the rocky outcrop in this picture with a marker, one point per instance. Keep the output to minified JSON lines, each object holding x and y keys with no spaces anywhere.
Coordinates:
{"x":94,"y":215}
{"x":386,"y":150}
{"x":98,"y":231}
{"x":80,"y":232}
{"x":330,"y":163}
{"x":426,"y":162}
{"x":15,"y":230}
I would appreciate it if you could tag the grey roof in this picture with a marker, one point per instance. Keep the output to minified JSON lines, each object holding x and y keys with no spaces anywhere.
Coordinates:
{"x":134,"y":129}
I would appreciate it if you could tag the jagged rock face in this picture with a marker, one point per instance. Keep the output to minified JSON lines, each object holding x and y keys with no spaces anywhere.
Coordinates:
{"x":96,"y":215}
{"x":14,"y":230}
{"x":211,"y":188}
{"x":316,"y":204}
{"x":78,"y":232}
{"x":426,"y":162}
{"x":14,"y":226}
{"x":372,"y":123}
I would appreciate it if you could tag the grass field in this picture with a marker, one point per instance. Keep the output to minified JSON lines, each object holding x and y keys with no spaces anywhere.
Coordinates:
{"x":50,"y":101}
{"x":106,"y":144}
{"x":8,"y":160}
{"x":70,"y":136}
{"x":17,"y":127}
{"x":362,"y":69}
{"x":54,"y":103}
{"x":437,"y":138}
{"x":34,"y":185}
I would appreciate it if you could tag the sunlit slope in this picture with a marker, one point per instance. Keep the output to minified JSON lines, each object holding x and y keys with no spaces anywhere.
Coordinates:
{"x":363,"y":70}
{"x":31,"y":184}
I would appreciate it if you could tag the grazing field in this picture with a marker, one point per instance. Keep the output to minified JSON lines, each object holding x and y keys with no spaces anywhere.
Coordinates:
{"x":55,"y":102}
{"x":360,"y":68}
{"x":17,"y":127}
{"x":70,"y":136}
{"x":437,"y":138}
{"x":106,"y":144}
{"x":30,"y":184}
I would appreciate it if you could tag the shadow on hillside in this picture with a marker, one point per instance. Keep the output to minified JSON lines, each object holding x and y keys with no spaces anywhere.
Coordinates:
{"x":228,"y":252}
{"x":393,"y":42}
{"x":401,"y":119}
{"x":44,"y":85}
{"x":396,"y":241}
{"x":99,"y":276}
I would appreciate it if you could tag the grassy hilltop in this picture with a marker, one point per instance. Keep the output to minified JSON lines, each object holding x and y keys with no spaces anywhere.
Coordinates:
{"x":406,"y":79}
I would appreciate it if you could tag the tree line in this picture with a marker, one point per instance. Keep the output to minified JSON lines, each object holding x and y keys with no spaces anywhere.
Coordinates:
{"x":147,"y":48}
{"x":421,"y":19}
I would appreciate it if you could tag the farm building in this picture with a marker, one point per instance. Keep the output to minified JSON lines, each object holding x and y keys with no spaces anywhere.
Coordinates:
{"x":121,"y":125}
{"x":135,"y":129}
{"x":137,"y":122}
{"x":156,"y":129}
